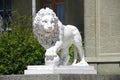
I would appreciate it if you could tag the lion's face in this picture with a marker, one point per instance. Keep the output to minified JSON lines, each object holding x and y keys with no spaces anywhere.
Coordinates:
{"x":48,"y":23}
{"x":46,"y":27}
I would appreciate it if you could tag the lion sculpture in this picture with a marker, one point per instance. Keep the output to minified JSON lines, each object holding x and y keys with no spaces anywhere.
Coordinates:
{"x":57,"y":38}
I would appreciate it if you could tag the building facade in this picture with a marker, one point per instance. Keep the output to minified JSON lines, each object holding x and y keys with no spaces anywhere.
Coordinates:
{"x":99,"y":24}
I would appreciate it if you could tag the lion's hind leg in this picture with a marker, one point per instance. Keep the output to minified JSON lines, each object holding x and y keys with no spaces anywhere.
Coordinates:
{"x":78,"y":44}
{"x":81,"y":56}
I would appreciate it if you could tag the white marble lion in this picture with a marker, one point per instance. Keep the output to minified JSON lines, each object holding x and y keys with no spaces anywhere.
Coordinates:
{"x":56,"y":37}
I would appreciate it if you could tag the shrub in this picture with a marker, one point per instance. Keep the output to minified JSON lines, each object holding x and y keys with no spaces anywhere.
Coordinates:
{"x":19,"y":48}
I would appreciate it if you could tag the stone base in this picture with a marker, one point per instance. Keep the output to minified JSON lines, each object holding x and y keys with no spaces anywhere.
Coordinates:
{"x":42,"y":69}
{"x":60,"y":77}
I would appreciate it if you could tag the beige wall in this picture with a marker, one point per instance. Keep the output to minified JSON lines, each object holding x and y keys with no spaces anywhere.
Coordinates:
{"x":102,"y":35}
{"x":108,"y":26}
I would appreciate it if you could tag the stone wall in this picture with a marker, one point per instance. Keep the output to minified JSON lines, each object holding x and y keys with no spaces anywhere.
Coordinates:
{"x":102,"y":35}
{"x":60,"y":77}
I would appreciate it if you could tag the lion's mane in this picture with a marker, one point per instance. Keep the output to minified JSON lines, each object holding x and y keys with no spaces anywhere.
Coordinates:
{"x":46,"y":39}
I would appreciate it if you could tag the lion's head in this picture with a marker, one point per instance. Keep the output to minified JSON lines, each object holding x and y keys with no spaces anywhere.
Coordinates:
{"x":46,"y":27}
{"x":47,"y":19}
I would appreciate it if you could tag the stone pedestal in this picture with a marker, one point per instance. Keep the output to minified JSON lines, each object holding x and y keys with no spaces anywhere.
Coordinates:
{"x":60,"y":77}
{"x":42,"y":69}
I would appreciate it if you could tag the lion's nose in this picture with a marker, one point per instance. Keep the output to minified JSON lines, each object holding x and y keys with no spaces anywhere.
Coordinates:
{"x":50,"y":28}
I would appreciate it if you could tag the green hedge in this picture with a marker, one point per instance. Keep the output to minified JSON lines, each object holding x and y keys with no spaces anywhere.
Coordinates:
{"x":19,"y":48}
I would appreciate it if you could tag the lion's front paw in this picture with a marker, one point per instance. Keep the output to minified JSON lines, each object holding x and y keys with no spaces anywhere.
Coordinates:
{"x":51,"y":52}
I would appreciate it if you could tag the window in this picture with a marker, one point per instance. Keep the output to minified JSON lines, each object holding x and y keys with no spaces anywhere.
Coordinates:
{"x":5,"y":12}
{"x":56,"y":5}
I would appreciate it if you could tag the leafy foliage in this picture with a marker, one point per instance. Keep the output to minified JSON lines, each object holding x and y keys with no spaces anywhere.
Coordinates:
{"x":19,"y":48}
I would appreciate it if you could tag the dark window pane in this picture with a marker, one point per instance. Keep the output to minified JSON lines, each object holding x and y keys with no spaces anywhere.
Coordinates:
{"x":60,"y":12}
{"x":48,"y":0}
{"x":8,"y":4}
{"x":5,"y":12}
{"x":5,"y":4}
{"x":1,"y":4}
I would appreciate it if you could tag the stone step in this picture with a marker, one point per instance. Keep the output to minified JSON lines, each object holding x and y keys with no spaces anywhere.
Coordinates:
{"x":42,"y":69}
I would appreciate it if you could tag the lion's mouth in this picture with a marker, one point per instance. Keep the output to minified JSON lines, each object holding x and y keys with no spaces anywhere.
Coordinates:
{"x":48,"y":30}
